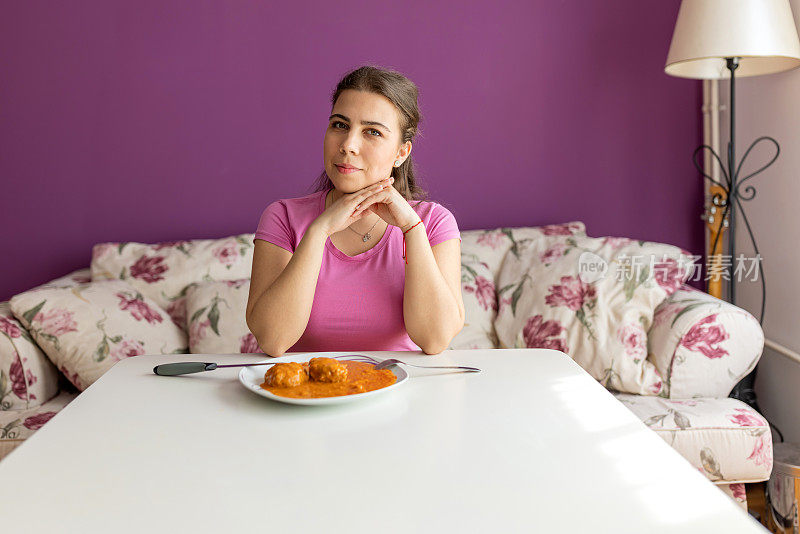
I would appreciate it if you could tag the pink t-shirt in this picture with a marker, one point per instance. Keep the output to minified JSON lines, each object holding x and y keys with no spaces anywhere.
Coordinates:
{"x":358,"y":301}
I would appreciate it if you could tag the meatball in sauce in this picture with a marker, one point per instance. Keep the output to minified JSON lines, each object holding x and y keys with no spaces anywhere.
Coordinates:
{"x":286,"y":375}
{"x":325,"y":377}
{"x":327,"y":370}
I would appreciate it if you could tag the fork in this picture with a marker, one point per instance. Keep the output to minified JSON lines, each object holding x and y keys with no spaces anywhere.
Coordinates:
{"x":392,"y":361}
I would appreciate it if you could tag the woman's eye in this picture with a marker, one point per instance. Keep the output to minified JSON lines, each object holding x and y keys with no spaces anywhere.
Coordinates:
{"x":336,"y":127}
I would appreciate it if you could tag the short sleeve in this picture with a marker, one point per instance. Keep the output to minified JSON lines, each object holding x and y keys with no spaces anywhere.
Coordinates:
{"x":273,"y":226}
{"x":441,"y":225}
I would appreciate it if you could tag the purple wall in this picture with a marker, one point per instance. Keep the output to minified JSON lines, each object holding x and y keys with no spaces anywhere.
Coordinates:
{"x":159,"y":120}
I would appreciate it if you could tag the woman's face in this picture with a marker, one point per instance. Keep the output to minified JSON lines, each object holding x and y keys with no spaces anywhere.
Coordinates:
{"x":363,"y":132}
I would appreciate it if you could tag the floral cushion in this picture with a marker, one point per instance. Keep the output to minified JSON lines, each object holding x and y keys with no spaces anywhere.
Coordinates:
{"x":217,"y":323}
{"x":703,"y":345}
{"x":482,"y":253}
{"x":593,"y":298}
{"x":491,"y":246}
{"x":164,"y":271}
{"x":480,"y":304}
{"x":723,"y":438}
{"x":27,"y":377}
{"x":18,"y":425}
{"x":86,"y":329}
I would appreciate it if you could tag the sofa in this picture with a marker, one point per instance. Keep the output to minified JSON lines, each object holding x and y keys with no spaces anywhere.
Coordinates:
{"x":673,"y":365}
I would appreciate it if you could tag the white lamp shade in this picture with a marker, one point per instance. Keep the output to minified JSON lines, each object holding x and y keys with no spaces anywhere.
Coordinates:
{"x":760,"y":32}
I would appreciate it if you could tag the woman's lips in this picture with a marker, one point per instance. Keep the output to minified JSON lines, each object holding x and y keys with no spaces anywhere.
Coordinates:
{"x":345,"y":170}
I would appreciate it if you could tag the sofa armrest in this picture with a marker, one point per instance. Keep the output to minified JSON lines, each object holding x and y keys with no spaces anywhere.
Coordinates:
{"x":27,"y":377}
{"x":701,"y":345}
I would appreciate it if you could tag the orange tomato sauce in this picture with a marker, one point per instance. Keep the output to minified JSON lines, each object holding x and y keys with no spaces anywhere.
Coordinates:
{"x":361,"y":377}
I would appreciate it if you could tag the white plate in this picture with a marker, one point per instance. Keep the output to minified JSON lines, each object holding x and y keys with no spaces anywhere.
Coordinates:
{"x":252,"y":378}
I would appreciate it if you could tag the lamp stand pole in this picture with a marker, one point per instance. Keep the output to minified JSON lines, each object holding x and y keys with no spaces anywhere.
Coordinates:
{"x":744,"y":390}
{"x":730,"y":203}
{"x":733,"y":64}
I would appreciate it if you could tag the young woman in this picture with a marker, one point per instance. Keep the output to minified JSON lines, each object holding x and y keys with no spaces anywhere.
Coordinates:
{"x":362,"y":263}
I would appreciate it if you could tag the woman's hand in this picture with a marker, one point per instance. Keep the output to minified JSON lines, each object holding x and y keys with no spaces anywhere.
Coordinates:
{"x":390,"y":206}
{"x":349,"y":208}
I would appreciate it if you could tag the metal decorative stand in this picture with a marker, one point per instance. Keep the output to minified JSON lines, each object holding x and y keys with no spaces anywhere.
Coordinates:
{"x":730,"y":204}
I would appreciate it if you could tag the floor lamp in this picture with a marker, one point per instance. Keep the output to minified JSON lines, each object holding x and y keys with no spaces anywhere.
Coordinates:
{"x":718,"y":39}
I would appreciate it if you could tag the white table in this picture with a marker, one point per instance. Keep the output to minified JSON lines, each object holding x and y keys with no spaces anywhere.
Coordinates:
{"x":531,"y":444}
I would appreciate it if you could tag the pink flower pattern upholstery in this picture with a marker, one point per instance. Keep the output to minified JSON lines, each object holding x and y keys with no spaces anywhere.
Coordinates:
{"x":87,"y":328}
{"x":165,"y":271}
{"x":547,"y":299}
{"x":213,"y":329}
{"x":723,"y":438}
{"x":27,"y":376}
{"x":482,"y":252}
{"x":699,"y":345}
{"x":703,"y":345}
{"x":18,"y":425}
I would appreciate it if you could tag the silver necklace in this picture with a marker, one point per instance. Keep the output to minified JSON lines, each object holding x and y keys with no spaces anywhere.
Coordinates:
{"x":366,"y":237}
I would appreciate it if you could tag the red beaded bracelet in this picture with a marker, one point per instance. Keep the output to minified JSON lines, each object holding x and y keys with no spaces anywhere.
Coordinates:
{"x":404,"y":240}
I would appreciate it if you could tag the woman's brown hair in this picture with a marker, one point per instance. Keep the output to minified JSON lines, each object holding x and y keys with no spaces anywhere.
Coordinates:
{"x":403,"y":94}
